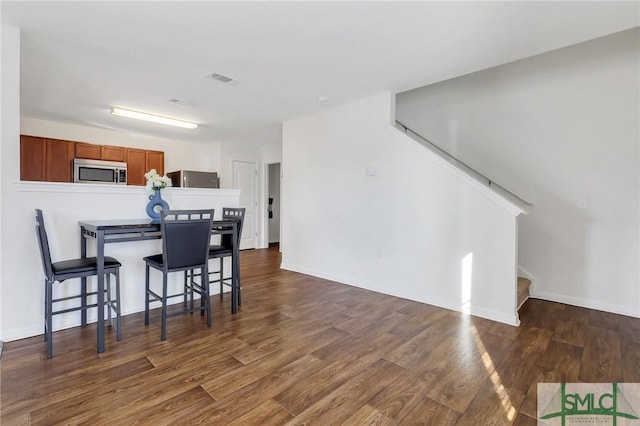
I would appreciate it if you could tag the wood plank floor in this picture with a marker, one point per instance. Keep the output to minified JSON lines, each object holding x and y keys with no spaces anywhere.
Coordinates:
{"x":303,"y":350}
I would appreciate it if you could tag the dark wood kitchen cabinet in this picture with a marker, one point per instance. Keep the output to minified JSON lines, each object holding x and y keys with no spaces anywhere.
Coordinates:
{"x":112,"y":153}
{"x":43,"y":159}
{"x":51,"y":160}
{"x":33,"y":152}
{"x":87,"y":150}
{"x":140,"y":161}
{"x":136,"y":166}
{"x":100,"y":152}
{"x":59,"y":162}
{"x":155,"y":160}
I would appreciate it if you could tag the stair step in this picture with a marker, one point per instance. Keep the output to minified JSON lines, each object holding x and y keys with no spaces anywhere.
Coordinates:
{"x":523,"y":290}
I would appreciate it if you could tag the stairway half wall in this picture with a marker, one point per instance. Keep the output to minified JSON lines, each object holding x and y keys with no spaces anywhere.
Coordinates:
{"x":365,"y":205}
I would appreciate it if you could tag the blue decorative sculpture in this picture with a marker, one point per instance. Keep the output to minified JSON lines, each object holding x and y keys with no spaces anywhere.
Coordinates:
{"x":156,"y":200}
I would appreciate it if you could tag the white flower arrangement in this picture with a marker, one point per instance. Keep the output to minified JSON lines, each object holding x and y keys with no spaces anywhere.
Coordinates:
{"x":155,"y":181}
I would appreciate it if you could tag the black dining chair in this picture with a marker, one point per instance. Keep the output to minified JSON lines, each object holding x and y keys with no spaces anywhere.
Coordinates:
{"x":186,"y":236}
{"x":59,"y":272}
{"x":220,"y":251}
{"x":225,"y":249}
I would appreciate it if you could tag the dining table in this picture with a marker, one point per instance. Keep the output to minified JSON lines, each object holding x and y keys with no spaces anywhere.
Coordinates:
{"x":112,"y":231}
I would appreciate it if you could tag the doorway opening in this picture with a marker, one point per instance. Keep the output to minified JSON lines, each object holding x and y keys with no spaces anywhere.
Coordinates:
{"x":273,"y":206}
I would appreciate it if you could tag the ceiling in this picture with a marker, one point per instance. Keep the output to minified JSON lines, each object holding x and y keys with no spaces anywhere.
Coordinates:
{"x":79,"y":59}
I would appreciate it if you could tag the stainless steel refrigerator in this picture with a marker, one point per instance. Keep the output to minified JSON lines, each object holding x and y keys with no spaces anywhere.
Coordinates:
{"x":193,"y":179}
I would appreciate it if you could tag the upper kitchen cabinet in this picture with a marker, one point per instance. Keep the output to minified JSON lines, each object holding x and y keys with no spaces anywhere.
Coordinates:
{"x":33,"y":151}
{"x":43,"y":159}
{"x":87,"y":150}
{"x":112,"y":153}
{"x":100,"y":152}
{"x":155,"y":160}
{"x":136,"y":166}
{"x":59,"y":163}
{"x":140,"y":161}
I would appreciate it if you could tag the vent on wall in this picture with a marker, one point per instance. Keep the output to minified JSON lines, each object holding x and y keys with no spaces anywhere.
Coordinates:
{"x":222,"y":78}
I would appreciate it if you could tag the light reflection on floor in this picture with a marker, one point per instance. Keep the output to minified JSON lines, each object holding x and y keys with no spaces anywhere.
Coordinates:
{"x":465,"y":307}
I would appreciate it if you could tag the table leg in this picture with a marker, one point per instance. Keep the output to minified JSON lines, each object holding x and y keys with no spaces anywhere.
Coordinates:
{"x":237,"y":271}
{"x":83,"y":282}
{"x":100,"y":289}
{"x":235,"y":265}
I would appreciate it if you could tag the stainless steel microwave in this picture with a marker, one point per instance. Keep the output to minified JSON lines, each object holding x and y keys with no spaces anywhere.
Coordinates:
{"x":99,"y":171}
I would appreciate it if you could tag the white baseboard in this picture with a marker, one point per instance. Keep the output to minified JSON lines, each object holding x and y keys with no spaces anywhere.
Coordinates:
{"x":584,"y":303}
{"x":22,"y":333}
{"x":422,"y":298}
{"x":525,"y":274}
{"x":522,"y":303}
{"x":492,"y":315}
{"x":534,"y":293}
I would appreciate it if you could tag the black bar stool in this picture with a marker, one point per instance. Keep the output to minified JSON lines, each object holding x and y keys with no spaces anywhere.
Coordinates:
{"x":75,"y":268}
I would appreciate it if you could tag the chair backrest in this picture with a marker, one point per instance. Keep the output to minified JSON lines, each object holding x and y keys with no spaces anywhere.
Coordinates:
{"x":43,"y":242}
{"x":186,"y":236}
{"x":233,"y":213}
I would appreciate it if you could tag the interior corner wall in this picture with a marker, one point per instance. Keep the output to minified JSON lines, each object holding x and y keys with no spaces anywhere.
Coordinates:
{"x":562,"y":130}
{"x":9,"y":130}
{"x":365,"y":205}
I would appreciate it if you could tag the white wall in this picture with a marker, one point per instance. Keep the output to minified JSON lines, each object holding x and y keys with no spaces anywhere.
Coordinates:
{"x":9,"y":130}
{"x":230,"y":151}
{"x":272,"y":153}
{"x":365,"y":205}
{"x":562,"y":130}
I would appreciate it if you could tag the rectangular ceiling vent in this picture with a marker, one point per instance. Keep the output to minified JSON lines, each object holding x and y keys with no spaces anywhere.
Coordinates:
{"x":222,"y":78}
{"x":183,"y":103}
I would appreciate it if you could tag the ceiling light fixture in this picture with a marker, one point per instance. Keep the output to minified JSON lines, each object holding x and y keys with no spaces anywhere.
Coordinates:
{"x":153,"y":118}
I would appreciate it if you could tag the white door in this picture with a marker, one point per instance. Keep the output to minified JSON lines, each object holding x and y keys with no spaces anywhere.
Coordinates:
{"x":244,"y":179}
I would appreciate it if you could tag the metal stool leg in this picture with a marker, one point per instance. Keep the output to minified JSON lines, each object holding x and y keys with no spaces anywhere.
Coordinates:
{"x":49,"y":317}
{"x":118,"y":310}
